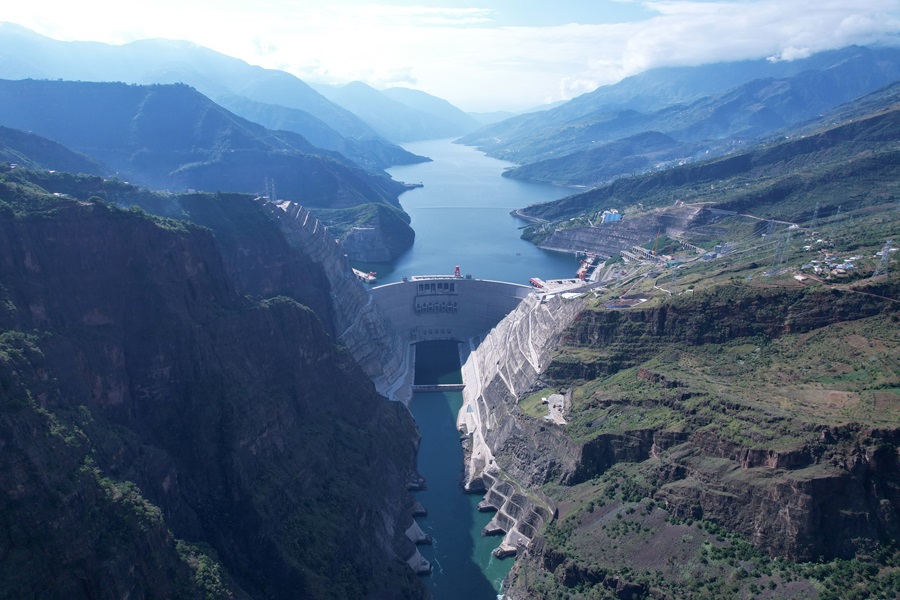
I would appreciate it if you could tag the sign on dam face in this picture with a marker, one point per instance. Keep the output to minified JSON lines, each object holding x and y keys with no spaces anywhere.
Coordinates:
{"x":447,"y":307}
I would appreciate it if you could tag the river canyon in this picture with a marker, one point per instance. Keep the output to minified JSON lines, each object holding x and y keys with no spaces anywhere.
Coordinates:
{"x":461,"y":216}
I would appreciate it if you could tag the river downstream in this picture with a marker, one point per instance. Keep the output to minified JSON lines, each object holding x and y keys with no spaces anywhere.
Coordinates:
{"x":461,"y":217}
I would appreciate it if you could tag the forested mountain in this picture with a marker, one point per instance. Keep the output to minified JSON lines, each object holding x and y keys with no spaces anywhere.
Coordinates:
{"x":729,"y":393}
{"x":171,"y":136}
{"x":36,"y":152}
{"x":194,"y":384}
{"x":843,"y":159}
{"x":171,"y":429}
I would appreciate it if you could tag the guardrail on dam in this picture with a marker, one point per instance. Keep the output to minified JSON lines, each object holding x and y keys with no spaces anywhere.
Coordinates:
{"x":447,"y":307}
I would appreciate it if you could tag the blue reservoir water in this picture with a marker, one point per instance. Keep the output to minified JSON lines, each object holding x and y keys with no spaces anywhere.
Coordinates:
{"x":461,"y":217}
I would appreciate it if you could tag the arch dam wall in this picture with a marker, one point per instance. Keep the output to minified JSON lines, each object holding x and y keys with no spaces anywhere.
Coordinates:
{"x":445,"y":307}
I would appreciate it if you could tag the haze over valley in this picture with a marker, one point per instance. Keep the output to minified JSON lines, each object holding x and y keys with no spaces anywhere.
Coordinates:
{"x":238,"y":358}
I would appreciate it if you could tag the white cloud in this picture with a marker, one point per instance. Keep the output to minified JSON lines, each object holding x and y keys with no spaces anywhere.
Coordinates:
{"x":461,"y":53}
{"x":790,"y":53}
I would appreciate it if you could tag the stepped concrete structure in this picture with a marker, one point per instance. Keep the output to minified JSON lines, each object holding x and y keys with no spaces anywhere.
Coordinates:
{"x":502,"y":369}
{"x":447,"y":307}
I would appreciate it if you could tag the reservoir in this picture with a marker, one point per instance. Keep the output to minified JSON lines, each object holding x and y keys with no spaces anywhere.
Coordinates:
{"x":461,"y":217}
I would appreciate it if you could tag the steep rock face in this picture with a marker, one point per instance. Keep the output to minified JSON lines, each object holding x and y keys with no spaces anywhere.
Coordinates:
{"x":798,"y":489}
{"x":795,"y":487}
{"x":370,"y":232}
{"x":183,"y":407}
{"x":715,"y":317}
{"x":505,"y":457}
{"x":271,"y":249}
{"x":358,"y":323}
{"x":68,"y":533}
{"x":821,"y":500}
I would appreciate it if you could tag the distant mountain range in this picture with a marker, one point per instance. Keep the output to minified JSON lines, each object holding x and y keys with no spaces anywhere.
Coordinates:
{"x":239,"y":125}
{"x":707,"y":110}
{"x":401,"y":114}
{"x":847,"y":159}
{"x":172,"y":137}
{"x":275,"y":99}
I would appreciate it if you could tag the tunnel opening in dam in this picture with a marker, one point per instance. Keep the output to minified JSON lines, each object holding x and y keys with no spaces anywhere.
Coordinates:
{"x":438,"y":363}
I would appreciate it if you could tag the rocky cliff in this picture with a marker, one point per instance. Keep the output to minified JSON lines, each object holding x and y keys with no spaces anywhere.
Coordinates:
{"x":165,"y":435}
{"x":270,"y":249}
{"x":359,"y":324}
{"x":370,"y":232}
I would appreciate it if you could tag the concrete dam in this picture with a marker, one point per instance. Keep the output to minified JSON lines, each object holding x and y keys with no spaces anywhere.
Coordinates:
{"x":447,"y":307}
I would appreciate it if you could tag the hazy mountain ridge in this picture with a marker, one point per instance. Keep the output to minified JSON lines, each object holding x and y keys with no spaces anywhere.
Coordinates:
{"x":655,"y":101}
{"x":641,"y":152}
{"x":36,"y":152}
{"x":374,"y":153}
{"x":171,"y":136}
{"x":401,"y":114}
{"x":865,"y":140}
{"x":29,"y":55}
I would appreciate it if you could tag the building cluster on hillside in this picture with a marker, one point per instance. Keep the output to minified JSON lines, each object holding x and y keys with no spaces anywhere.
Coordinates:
{"x":831,"y":264}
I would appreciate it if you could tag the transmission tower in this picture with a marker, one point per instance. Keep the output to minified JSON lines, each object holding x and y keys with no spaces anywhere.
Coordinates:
{"x":781,"y":251}
{"x":815,"y":218}
{"x":882,"y":268}
{"x":270,"y":189}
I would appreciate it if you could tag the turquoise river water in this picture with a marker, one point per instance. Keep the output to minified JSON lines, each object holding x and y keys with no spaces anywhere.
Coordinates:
{"x":461,"y":217}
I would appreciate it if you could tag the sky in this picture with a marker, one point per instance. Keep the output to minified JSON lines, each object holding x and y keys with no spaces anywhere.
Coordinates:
{"x":482,"y":56}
